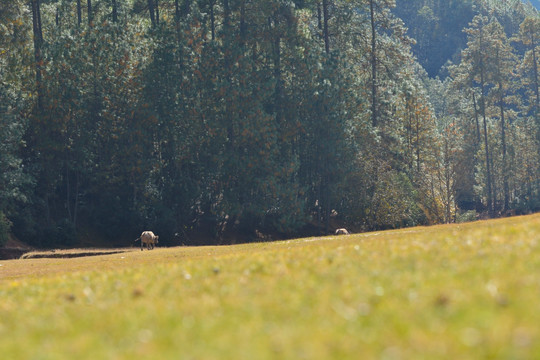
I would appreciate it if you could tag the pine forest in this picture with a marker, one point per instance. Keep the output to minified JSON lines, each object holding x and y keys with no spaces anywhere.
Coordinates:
{"x":220,"y":121}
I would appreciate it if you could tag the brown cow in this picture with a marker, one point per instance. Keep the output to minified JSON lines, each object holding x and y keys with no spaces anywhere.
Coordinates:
{"x":149,"y":239}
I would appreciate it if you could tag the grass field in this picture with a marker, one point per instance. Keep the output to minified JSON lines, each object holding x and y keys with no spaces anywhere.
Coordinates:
{"x":468,"y":291}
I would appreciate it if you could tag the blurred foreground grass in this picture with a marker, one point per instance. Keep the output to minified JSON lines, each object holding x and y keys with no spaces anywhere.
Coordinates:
{"x":468,"y":291}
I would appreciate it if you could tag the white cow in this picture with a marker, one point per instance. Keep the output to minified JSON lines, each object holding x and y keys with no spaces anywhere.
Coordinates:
{"x":342,"y":231}
{"x":149,"y":239}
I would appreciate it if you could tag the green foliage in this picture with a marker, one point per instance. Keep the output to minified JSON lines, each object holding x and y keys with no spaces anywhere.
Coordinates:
{"x":467,"y":216}
{"x":393,"y":204}
{"x":220,"y":118}
{"x":5,"y":227}
{"x":15,"y":182}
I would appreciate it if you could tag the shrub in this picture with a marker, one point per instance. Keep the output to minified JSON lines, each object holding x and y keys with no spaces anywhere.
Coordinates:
{"x":467,"y":216}
{"x":5,"y":226}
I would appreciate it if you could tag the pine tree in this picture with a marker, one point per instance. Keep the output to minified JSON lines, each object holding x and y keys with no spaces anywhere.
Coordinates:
{"x":529,"y":36}
{"x":503,"y":65}
{"x":477,"y":69}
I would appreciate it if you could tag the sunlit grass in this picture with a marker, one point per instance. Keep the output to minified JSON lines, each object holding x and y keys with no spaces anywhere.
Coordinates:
{"x":468,"y":291}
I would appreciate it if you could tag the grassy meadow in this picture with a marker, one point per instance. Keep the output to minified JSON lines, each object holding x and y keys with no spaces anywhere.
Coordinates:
{"x":464,"y":291}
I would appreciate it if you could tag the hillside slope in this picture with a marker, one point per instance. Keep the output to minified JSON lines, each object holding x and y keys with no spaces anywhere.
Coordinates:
{"x":437,"y":26}
{"x":535,"y":3}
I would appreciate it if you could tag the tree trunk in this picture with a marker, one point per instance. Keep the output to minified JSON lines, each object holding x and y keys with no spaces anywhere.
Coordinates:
{"x":79,"y":13}
{"x":90,"y":15}
{"x":38,"y":41}
{"x":447,"y":182}
{"x":536,"y":91}
{"x":277,"y":73}
{"x":156,"y":9}
{"x":488,"y":172}
{"x":410,"y":145}
{"x":486,"y":144}
{"x":325,"y":168}
{"x":488,"y":163}
{"x":319,"y":17}
{"x":374,"y":119}
{"x":490,"y":202}
{"x":417,"y":142}
{"x":537,"y":105}
{"x":152,"y":12}
{"x":227,"y":62}
{"x":114,"y":11}
{"x":503,"y":140}
{"x":213,"y":21}
{"x":226,"y":14}
{"x":478,"y":134}
{"x":325,"y":27}
{"x":76,"y":200}
{"x":327,"y":206}
{"x":243,"y":24}
{"x":68,"y":193}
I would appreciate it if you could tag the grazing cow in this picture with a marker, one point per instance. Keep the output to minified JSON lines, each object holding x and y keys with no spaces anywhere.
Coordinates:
{"x":149,"y":239}
{"x":342,"y":231}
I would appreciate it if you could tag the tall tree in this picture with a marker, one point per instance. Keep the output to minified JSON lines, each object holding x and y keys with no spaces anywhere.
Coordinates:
{"x":529,"y":35}
{"x":14,"y":74}
{"x":474,"y":60}
{"x":503,"y":65}
{"x":386,"y":34}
